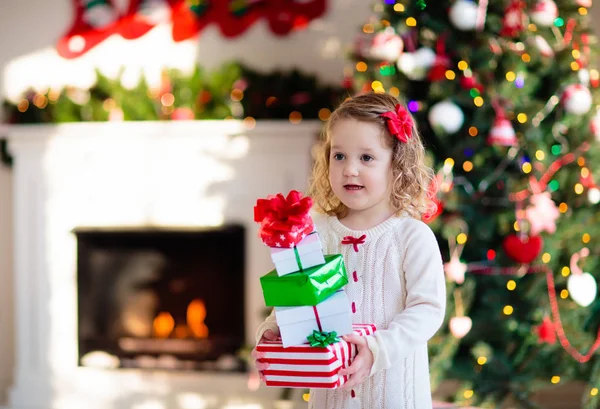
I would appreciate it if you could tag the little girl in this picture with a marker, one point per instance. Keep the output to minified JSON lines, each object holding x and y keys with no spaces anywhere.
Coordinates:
{"x":370,"y":184}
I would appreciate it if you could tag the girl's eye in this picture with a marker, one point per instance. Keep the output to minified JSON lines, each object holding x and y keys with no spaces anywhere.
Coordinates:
{"x":338,"y":156}
{"x":367,"y":158}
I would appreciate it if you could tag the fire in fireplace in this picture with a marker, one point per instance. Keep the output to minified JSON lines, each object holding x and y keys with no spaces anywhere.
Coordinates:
{"x":168,"y":299}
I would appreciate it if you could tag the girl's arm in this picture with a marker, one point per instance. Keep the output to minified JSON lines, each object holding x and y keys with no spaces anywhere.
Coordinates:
{"x":268,"y":323}
{"x":425,"y":301}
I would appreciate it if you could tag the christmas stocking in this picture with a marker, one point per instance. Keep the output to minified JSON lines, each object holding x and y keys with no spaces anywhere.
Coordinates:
{"x":294,"y":14}
{"x":190,"y":16}
{"x":95,"y":20}
{"x":142,"y":15}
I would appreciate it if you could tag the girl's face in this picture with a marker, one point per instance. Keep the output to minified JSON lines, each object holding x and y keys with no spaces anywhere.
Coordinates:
{"x":360,"y":168}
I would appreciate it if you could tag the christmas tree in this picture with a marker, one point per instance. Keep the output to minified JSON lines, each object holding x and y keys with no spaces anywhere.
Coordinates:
{"x":505,"y":97}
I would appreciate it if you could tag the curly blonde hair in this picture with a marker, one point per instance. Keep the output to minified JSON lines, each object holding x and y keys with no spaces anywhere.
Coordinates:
{"x":413,"y":182}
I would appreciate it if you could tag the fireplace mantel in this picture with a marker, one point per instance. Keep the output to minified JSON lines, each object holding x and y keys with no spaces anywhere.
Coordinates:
{"x":133,"y":175}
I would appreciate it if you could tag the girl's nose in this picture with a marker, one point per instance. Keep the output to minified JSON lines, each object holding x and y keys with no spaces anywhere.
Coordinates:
{"x":350,"y":169}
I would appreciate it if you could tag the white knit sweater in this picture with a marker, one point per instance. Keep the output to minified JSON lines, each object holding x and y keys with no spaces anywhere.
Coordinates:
{"x":396,"y":281}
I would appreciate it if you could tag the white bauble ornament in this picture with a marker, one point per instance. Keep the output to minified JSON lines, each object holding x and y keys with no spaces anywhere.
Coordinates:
{"x":577,"y":99}
{"x":446,"y":117}
{"x":582,"y":288}
{"x":463,"y":15}
{"x":544,"y":13}
{"x":594,"y":195}
{"x":386,"y":46}
{"x":416,"y":65}
{"x":584,"y":3}
{"x":502,"y":133}
{"x":460,"y":326}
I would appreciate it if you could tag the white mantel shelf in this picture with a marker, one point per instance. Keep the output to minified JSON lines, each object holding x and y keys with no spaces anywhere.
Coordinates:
{"x":134,"y":175}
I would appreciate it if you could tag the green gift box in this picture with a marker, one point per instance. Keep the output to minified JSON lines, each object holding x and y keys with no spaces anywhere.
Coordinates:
{"x":306,"y":287}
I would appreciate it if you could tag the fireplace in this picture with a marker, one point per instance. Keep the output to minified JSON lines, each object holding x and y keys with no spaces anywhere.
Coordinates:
{"x":90,"y":184}
{"x":161,"y":299}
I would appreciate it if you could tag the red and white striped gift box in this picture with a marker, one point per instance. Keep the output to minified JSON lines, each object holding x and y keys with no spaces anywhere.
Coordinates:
{"x":304,"y":366}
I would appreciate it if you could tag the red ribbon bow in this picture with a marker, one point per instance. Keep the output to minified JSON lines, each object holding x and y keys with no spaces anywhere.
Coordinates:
{"x":355,"y":241}
{"x":399,"y":123}
{"x":284,"y":221}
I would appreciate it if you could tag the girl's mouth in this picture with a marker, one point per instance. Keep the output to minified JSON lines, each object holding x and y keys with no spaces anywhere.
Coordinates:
{"x":353,"y":187}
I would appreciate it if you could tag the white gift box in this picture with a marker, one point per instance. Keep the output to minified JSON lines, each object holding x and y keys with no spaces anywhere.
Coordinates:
{"x":297,"y":323}
{"x":304,"y":366}
{"x":309,"y":251}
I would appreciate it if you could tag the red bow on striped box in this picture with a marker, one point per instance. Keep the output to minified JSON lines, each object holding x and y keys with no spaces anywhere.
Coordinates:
{"x":304,"y":366}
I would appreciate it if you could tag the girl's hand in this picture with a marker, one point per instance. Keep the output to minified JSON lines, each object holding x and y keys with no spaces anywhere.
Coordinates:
{"x":269,"y":335}
{"x":361,"y":366}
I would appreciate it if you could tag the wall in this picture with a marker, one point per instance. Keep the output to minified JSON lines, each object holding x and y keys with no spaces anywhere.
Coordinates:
{"x":27,"y":39}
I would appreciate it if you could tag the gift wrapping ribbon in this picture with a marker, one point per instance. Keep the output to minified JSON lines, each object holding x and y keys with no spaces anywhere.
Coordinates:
{"x":298,"y":258}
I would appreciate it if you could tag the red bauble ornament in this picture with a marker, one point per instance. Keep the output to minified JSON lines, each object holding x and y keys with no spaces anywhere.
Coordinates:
{"x":522,"y":250}
{"x":546,"y":331}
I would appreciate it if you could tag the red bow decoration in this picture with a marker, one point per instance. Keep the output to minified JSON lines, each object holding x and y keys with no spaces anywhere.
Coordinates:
{"x":284,"y":221}
{"x":399,"y":123}
{"x":355,"y":241}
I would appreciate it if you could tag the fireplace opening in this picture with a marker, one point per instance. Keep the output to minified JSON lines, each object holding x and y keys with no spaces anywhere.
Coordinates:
{"x":161,"y":299}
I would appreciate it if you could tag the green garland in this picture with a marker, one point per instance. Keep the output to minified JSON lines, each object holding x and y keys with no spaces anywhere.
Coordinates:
{"x":231,"y":91}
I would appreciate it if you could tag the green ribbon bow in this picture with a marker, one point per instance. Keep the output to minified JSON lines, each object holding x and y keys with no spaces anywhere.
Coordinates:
{"x":322,"y":339}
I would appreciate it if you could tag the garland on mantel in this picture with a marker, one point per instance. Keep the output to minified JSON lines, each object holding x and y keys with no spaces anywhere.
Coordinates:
{"x":230,"y":91}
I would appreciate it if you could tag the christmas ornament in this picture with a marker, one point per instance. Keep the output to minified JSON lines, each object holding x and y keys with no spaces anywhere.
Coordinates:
{"x":460,"y":326}
{"x":542,"y":213}
{"x":446,"y":117}
{"x":577,"y":99}
{"x":582,"y":286}
{"x":455,"y":270}
{"x":142,"y":16}
{"x":544,"y":13}
{"x":502,"y":133}
{"x":441,"y":63}
{"x":542,"y":45}
{"x":512,"y":23}
{"x":463,"y":15}
{"x":94,"y":22}
{"x":416,"y":65}
{"x":546,"y":331}
{"x":522,"y":249}
{"x":386,"y":46}
{"x":594,"y":195}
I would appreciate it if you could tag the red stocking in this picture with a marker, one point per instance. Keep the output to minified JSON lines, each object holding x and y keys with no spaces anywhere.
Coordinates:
{"x":294,"y":14}
{"x":95,"y":20}
{"x":189,"y":17}
{"x":143,"y":15}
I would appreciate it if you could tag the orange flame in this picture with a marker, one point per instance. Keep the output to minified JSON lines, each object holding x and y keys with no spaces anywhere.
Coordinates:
{"x":196,"y":313}
{"x":163,"y":325}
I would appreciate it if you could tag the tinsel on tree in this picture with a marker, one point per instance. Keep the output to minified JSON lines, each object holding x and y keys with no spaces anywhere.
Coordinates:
{"x":505,"y":95}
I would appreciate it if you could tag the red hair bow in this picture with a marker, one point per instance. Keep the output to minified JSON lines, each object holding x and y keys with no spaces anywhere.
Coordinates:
{"x":284,"y":221}
{"x":399,"y":123}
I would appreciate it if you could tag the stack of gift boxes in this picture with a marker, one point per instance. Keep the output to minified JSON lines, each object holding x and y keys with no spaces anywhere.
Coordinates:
{"x":306,"y":291}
